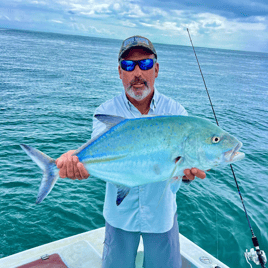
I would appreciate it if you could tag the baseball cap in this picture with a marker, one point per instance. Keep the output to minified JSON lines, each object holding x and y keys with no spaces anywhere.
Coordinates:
{"x":136,"y":41}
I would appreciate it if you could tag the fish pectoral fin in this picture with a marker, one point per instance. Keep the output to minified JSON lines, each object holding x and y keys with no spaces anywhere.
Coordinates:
{"x":122,"y":192}
{"x":169,"y":181}
{"x":174,"y":179}
{"x":175,"y":184}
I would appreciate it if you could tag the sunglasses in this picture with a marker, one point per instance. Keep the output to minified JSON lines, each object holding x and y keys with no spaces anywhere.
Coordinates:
{"x":129,"y":65}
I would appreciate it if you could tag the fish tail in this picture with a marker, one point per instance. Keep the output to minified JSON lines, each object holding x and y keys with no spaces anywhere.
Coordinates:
{"x":50,"y":171}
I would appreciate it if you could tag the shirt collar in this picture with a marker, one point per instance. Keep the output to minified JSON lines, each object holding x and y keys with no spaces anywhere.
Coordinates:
{"x":153,"y":104}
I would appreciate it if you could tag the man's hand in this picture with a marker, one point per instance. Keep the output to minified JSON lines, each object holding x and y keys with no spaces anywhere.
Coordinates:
{"x":70,"y":167}
{"x":190,"y":174}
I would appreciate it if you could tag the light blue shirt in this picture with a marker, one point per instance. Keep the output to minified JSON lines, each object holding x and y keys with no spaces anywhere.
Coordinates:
{"x":140,"y":211}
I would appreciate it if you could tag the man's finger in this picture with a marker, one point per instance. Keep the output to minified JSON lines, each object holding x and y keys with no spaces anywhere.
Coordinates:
{"x":59,"y":163}
{"x":63,"y":172}
{"x":83,"y":172}
{"x":198,"y":173}
{"x":188,"y":174}
{"x":70,"y":168}
{"x":76,"y":170}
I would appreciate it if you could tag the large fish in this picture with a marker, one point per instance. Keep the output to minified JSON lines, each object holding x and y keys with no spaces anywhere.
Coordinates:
{"x":133,"y":152}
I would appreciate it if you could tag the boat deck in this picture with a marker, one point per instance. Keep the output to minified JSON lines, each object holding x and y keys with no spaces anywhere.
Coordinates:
{"x":85,"y":251}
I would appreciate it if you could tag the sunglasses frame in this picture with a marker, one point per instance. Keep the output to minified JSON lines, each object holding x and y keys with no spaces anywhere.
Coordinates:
{"x":137,"y":62}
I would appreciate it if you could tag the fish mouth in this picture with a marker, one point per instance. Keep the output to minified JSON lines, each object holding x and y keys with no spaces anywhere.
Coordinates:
{"x":233,"y":155}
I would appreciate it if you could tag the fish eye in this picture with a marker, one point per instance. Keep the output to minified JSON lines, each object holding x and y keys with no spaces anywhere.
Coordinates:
{"x":215,"y":139}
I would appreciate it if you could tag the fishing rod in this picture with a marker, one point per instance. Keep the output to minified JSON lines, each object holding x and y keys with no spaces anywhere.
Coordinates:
{"x":258,"y":256}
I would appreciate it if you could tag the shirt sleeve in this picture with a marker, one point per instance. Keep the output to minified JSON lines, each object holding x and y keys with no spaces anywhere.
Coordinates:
{"x":168,"y":106}
{"x":181,"y":110}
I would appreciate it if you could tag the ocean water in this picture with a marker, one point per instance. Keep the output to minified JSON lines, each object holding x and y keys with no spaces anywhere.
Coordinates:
{"x":50,"y":85}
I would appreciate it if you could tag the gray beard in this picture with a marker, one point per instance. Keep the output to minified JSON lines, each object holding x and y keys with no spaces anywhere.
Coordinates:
{"x":139,"y":96}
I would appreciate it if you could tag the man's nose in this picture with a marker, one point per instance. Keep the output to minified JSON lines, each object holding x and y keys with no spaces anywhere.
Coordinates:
{"x":137,"y":71}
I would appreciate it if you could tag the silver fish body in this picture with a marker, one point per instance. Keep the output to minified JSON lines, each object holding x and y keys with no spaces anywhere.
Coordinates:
{"x":133,"y":152}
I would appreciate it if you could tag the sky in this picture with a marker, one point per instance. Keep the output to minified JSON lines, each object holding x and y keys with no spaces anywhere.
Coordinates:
{"x":226,"y":24}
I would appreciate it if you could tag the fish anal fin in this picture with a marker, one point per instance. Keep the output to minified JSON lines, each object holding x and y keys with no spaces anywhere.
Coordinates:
{"x":122,"y":192}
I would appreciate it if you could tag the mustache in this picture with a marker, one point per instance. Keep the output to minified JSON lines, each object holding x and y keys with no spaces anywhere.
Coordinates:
{"x":137,"y":80}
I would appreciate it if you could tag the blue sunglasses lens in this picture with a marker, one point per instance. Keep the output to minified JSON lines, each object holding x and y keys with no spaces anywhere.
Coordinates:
{"x":146,"y":64}
{"x":129,"y":65}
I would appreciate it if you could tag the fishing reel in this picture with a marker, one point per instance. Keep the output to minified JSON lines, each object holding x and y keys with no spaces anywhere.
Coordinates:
{"x":253,"y":256}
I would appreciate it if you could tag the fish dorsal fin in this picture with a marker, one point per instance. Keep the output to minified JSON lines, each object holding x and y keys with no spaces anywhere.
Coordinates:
{"x":109,"y":120}
{"x":122,"y":192}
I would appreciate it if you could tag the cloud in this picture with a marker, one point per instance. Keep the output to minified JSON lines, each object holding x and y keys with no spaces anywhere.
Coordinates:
{"x":227,"y":8}
{"x":56,"y":21}
{"x":38,"y":2}
{"x":212,"y":23}
{"x":206,"y":22}
{"x":6,"y":17}
{"x":165,"y":26}
{"x":128,"y":24}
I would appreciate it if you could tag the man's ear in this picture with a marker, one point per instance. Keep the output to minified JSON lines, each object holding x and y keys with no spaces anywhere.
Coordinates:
{"x":120,"y":71}
{"x":156,"y":69}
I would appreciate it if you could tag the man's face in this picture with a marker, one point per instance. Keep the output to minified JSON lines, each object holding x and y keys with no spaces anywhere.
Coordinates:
{"x":138,"y":84}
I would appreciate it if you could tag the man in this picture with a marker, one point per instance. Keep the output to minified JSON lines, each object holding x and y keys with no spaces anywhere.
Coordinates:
{"x":139,"y":213}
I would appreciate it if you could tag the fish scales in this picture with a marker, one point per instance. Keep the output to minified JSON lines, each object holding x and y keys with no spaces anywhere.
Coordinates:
{"x":134,"y":133}
{"x":145,"y":150}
